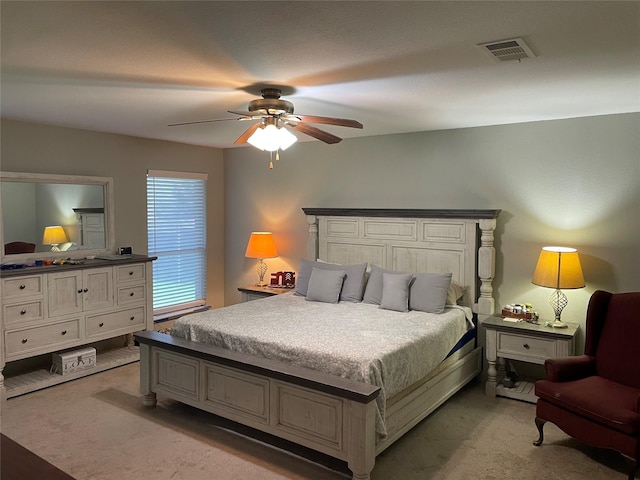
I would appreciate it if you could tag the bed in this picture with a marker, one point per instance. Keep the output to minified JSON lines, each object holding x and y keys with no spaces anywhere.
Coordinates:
{"x":357,"y":403}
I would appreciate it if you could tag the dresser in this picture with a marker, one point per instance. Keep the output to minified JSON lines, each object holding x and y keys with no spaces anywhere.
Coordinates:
{"x":53,"y":308}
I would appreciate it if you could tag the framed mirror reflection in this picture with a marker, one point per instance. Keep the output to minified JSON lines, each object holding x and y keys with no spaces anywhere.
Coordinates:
{"x":55,"y":216}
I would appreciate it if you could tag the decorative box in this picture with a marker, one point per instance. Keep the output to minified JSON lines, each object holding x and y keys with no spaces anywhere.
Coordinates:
{"x":76,"y":360}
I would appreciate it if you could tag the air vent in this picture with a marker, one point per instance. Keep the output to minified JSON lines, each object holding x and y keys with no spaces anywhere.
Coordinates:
{"x":505,"y":50}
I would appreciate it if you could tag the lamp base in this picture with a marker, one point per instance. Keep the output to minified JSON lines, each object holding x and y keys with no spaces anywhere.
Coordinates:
{"x":559,"y":324}
{"x":261,"y":284}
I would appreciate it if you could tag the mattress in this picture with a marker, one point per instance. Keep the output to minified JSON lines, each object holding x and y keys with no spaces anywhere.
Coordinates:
{"x":356,"y":341}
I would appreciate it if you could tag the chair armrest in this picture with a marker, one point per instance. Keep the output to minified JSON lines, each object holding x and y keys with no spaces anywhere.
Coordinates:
{"x":565,"y":369}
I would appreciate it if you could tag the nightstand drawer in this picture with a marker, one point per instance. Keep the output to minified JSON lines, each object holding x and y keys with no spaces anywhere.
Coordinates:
{"x":528,"y":347}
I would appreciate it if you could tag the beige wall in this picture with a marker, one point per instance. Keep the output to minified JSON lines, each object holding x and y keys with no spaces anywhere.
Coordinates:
{"x":568,"y":182}
{"x":34,"y":148}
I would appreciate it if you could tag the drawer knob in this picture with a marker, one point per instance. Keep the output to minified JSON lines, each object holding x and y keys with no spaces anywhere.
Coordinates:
{"x":132,"y":317}
{"x":64,"y":332}
{"x":85,"y":290}
{"x":22,"y":312}
{"x":25,"y":340}
{"x":22,"y":287}
{"x":131,"y":273}
{"x":526,"y":345}
{"x":131,"y":294}
{"x":101,"y":324}
{"x":80,"y":291}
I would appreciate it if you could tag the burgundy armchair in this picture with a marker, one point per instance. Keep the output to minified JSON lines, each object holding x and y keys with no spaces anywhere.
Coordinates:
{"x":19,"y":247}
{"x":595,"y":397}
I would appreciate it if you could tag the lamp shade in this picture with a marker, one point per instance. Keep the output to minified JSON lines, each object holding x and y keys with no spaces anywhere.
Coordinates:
{"x":558,"y":267}
{"x":261,"y":245}
{"x":53,"y":235}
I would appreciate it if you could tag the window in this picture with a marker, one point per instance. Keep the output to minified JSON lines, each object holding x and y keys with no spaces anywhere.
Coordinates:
{"x":176,"y":230}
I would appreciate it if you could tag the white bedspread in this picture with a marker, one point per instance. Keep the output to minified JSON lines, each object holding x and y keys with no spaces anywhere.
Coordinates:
{"x":351,"y":340}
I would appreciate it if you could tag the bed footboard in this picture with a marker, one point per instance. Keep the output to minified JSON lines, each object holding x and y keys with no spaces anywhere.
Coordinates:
{"x":326,"y":413}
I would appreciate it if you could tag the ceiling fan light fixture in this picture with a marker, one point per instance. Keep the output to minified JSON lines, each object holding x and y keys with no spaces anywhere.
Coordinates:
{"x":271,"y":138}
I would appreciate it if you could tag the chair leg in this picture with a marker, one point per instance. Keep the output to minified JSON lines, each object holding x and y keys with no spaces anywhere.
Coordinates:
{"x":633,"y":466}
{"x":539,"y":424}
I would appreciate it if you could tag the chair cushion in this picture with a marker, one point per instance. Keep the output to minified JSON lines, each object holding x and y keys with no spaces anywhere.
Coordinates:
{"x":596,"y":398}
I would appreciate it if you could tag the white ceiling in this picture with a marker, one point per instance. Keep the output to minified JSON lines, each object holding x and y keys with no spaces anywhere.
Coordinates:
{"x":135,"y":67}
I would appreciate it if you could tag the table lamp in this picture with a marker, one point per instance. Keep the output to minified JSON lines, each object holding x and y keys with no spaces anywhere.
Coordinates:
{"x":260,"y":246}
{"x":54,"y":236}
{"x":559,"y":268}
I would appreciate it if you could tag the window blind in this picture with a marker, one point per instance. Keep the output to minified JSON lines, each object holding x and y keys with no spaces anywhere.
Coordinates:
{"x":176,"y":229}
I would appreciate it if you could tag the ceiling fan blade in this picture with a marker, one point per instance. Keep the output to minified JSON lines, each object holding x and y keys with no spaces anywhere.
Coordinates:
{"x":204,"y":121}
{"x":247,"y":133}
{"x":251,"y":115}
{"x":314,"y":132}
{"x":342,"y":122}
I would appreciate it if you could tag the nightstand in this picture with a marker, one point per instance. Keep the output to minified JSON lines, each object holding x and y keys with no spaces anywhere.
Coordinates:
{"x":253,"y":292}
{"x":526,"y":342}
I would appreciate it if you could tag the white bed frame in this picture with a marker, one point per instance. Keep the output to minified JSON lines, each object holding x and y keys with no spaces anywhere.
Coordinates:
{"x":322,"y":412}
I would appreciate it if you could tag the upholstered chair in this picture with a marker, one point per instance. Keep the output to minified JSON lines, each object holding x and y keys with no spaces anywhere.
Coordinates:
{"x":12,"y":248}
{"x":595,"y":397}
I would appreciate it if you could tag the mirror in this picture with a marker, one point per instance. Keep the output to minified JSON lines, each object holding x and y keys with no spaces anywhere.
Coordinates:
{"x":55,"y":216}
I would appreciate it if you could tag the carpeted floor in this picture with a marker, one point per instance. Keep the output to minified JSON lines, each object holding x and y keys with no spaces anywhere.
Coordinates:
{"x":96,"y":428}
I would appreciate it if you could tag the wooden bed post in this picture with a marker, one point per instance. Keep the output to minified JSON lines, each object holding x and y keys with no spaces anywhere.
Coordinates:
{"x":486,"y":266}
{"x":146,"y":367}
{"x":362,"y":445}
{"x":312,"y":241}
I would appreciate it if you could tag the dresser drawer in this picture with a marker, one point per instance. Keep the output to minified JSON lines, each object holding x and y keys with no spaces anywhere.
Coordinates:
{"x":129,"y":320}
{"x":130,"y":273}
{"x":23,"y":312}
{"x":134,"y":293}
{"x":22,"y":287}
{"x":532,"y":348}
{"x":45,"y":338}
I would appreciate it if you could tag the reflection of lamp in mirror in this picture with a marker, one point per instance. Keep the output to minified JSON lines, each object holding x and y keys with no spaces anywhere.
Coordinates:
{"x":261,"y":245}
{"x":558,"y":267}
{"x":54,"y":236}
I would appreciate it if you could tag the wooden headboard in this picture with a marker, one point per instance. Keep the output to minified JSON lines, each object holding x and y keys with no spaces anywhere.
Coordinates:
{"x":412,"y":240}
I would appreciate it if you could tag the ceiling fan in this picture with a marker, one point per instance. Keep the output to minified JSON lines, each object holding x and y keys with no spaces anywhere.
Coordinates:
{"x":274,"y":112}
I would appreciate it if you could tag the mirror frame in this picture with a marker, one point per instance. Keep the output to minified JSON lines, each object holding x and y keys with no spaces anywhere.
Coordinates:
{"x":109,"y":217}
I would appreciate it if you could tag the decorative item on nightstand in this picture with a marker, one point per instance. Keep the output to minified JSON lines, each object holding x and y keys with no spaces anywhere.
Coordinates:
{"x":559,"y":268}
{"x":54,"y":236}
{"x":261,"y":246}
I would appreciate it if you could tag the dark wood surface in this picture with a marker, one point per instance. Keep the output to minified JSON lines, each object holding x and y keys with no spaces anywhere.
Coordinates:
{"x":18,"y":463}
{"x":86,"y":263}
{"x":402,"y":212}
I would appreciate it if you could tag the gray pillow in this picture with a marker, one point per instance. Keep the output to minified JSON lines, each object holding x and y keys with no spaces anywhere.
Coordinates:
{"x":373,"y":292}
{"x":325,"y":285}
{"x":352,"y":287}
{"x":395,"y":291}
{"x":429,"y":292}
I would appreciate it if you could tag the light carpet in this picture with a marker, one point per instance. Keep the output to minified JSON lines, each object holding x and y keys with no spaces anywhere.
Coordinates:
{"x":97,"y":428}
